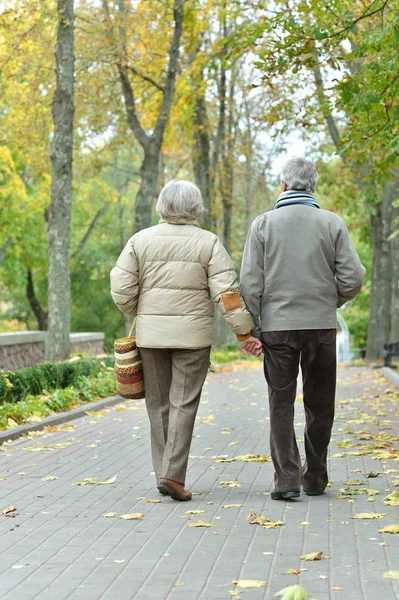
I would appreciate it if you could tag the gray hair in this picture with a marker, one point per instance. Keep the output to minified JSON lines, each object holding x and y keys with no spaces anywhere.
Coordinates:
{"x":299,"y":174}
{"x":180,"y":199}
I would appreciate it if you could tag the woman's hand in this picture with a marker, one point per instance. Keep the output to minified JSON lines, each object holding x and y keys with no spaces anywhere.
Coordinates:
{"x":251,"y":346}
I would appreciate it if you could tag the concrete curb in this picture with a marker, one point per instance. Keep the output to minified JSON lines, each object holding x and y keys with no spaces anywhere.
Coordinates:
{"x":391,"y":375}
{"x":57,"y":419}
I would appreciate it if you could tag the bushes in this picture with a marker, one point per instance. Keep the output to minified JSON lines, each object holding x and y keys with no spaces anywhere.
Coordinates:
{"x":46,"y":377}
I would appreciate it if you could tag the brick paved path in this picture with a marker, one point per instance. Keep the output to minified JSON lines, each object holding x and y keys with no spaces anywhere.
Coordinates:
{"x":61,"y":546}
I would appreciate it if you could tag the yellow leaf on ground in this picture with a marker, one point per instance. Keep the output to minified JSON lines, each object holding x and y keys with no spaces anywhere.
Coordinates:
{"x":391,"y":500}
{"x":202,"y":524}
{"x":194,"y":512}
{"x":304,"y":523}
{"x":273,"y":524}
{"x":369,"y":516}
{"x":312,"y":556}
{"x":132,"y":516}
{"x":260,"y":520}
{"x":389,"y":529}
{"x":154,"y":501}
{"x":231,"y":484}
{"x":109,"y":515}
{"x":391,"y":575}
{"x":249,"y":583}
{"x":229,"y":505}
{"x":50,"y":478}
{"x":10,"y":511}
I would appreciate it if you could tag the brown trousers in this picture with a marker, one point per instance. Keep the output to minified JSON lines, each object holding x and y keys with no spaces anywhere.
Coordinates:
{"x":173,"y":382}
{"x":315,"y":351}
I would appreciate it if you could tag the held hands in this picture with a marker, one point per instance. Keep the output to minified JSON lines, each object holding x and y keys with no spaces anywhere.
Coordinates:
{"x":251,"y":346}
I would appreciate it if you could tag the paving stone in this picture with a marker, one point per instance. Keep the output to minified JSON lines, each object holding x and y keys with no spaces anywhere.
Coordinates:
{"x":70,"y":550}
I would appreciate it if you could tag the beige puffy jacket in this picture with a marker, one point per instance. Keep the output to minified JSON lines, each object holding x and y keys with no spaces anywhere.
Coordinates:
{"x":171,"y":275}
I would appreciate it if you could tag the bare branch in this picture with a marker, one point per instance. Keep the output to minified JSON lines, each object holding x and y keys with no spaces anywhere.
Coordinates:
{"x":4,"y":249}
{"x":90,"y":229}
{"x":332,"y":128}
{"x":147,"y":78}
{"x":170,"y":81}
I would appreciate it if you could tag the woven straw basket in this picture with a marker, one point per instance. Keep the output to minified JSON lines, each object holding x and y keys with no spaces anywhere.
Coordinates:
{"x":128,"y":367}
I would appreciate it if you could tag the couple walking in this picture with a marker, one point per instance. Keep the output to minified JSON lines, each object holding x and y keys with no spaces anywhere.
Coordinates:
{"x":299,"y":265}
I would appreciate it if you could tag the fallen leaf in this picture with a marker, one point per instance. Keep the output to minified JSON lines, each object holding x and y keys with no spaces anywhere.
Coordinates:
{"x":154,"y":501}
{"x":293,"y":572}
{"x":10,"y":511}
{"x":392,"y":499}
{"x":372,"y":474}
{"x":305,"y":523}
{"x":389,"y":529}
{"x":109,"y":515}
{"x":202,"y":524}
{"x":231,"y":484}
{"x":194,"y":512}
{"x":312,"y":556}
{"x":391,"y":575}
{"x":249,"y":583}
{"x":369,"y":516}
{"x":132,"y":516}
{"x":273,"y":524}
{"x":22,"y":566}
{"x":243,"y":458}
{"x":337,"y":588}
{"x":323,"y":576}
{"x":293,"y":592}
{"x":119,"y":562}
{"x":3,"y":478}
{"x":93,"y":481}
{"x":232,"y":505}
{"x":260,"y":520}
{"x":50,"y":478}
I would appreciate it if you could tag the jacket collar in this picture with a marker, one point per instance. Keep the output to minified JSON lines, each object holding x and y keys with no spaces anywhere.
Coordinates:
{"x":181,"y":221}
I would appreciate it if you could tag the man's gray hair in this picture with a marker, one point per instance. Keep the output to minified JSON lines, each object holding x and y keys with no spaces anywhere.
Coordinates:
{"x":299,"y":174}
{"x":180,"y":199}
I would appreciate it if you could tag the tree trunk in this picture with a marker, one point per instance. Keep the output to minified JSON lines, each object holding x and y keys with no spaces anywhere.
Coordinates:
{"x":40,"y":314}
{"x":57,"y":346}
{"x":383,"y":319}
{"x":147,"y":193}
{"x":201,"y":156}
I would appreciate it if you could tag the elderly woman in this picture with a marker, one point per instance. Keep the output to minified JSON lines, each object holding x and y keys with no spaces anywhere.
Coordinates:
{"x":170,"y":275}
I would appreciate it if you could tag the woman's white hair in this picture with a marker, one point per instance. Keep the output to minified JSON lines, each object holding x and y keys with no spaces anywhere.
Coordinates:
{"x":299,"y":174}
{"x":180,"y":199}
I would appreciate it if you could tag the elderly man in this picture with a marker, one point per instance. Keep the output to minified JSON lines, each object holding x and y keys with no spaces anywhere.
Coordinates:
{"x":299,"y":265}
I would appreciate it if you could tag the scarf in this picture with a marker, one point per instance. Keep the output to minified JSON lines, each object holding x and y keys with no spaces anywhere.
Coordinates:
{"x":296,"y":197}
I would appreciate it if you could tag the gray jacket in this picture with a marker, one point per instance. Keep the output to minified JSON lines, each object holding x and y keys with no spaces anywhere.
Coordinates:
{"x":299,"y":265}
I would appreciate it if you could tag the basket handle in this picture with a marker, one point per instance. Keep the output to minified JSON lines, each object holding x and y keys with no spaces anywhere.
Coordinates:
{"x":132,"y":327}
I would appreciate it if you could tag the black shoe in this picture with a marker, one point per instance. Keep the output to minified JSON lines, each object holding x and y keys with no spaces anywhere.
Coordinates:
{"x":313,"y":492}
{"x":284,"y":495}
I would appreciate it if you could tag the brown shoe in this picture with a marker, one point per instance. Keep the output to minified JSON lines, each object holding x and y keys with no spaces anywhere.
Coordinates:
{"x":174,"y":489}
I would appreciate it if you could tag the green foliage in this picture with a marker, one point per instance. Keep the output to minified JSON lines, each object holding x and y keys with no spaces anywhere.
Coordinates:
{"x":15,"y":386}
{"x":86,"y":388}
{"x":227,"y":354}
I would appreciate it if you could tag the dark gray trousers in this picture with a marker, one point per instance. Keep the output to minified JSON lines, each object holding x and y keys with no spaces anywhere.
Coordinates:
{"x":315,"y":351}
{"x":173,"y":382}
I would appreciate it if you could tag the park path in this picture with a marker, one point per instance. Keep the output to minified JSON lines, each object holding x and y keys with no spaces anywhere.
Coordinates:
{"x":62,"y":546}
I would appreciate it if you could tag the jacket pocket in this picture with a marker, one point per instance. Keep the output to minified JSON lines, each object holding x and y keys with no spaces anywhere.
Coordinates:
{"x":327,"y":336}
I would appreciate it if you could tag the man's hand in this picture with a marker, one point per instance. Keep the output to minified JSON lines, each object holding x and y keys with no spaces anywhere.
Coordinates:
{"x":251,"y":346}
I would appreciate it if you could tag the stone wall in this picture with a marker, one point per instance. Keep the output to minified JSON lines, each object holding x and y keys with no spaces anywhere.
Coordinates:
{"x":26,"y":348}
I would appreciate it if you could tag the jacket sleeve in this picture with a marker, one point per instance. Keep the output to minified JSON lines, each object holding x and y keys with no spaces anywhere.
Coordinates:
{"x":224,"y":290}
{"x":125,"y":280}
{"x":252,"y":277}
{"x":349,"y":271}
